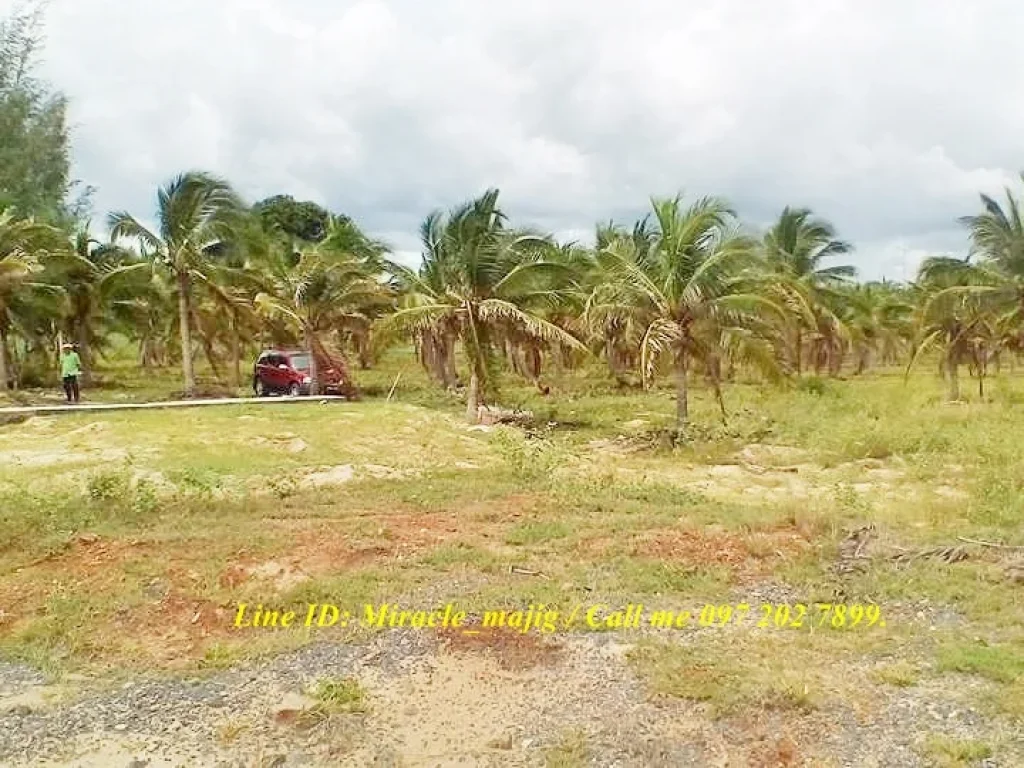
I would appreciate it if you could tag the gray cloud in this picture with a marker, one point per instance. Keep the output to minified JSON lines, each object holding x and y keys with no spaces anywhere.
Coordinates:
{"x":887,"y":118}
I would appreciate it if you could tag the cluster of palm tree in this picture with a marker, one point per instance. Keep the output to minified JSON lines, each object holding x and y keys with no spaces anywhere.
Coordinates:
{"x":685,"y":291}
{"x":972,"y":309}
{"x":207,"y":279}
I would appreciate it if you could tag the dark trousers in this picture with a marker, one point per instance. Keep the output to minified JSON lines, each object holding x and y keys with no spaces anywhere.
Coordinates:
{"x":71,"y":388}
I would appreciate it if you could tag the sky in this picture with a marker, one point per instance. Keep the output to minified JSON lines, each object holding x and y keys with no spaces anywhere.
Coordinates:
{"x":887,"y":118}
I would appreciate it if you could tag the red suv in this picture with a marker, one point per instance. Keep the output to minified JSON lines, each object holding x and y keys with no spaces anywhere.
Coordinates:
{"x":290,"y":372}
{"x":283,"y":372}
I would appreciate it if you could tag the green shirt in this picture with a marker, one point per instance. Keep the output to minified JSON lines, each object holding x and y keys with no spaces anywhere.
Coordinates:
{"x":70,"y":364}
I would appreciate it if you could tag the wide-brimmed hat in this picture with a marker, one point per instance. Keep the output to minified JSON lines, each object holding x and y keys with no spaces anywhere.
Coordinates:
{"x":67,"y":346}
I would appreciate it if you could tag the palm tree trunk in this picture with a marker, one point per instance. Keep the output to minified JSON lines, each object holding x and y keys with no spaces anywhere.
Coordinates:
{"x":363,"y":348}
{"x":448,"y":349}
{"x":474,"y":347}
{"x":715,"y":374}
{"x":799,"y":351}
{"x":84,"y":350}
{"x":185,"y":329}
{"x":432,"y":357}
{"x":953,"y":374}
{"x":314,"y":383}
{"x":4,"y":375}
{"x":682,"y":395}
{"x":211,"y":356}
{"x":982,"y":369}
{"x":473,"y":397}
{"x":236,"y":353}
{"x":612,"y":358}
{"x":534,"y":361}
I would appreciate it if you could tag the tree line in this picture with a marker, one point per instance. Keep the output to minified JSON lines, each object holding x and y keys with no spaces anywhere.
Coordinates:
{"x":685,"y":292}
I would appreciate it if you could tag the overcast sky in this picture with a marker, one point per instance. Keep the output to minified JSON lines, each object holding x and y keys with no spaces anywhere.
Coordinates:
{"x":886,"y":117}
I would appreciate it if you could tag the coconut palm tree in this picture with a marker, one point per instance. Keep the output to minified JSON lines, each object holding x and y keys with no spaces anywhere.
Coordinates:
{"x":997,"y":235}
{"x":315,"y":292}
{"x":796,"y":249}
{"x":24,"y":246}
{"x":92,"y":274}
{"x":195,"y":214}
{"x":974,"y":307}
{"x":957,"y":315}
{"x":878,"y":318}
{"x":689,"y":287}
{"x":479,"y":281}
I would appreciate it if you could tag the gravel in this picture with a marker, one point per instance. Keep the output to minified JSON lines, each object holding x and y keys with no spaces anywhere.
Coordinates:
{"x":430,"y":707}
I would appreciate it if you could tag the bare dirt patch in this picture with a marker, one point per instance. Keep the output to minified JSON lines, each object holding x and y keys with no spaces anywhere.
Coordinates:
{"x":512,"y":650}
{"x":176,"y":629}
{"x":749,"y":556}
{"x":36,"y":459}
{"x":762,"y":454}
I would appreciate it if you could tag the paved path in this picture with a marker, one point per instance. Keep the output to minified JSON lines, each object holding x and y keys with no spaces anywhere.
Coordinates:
{"x":88,"y":407}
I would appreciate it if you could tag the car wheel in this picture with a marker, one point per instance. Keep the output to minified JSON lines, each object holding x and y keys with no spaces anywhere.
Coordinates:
{"x":294,"y":390}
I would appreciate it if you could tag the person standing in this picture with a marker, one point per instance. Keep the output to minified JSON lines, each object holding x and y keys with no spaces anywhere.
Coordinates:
{"x":70,"y":370}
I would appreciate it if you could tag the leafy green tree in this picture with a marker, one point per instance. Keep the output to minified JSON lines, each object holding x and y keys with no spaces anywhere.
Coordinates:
{"x":35,"y":153}
{"x":196,"y":213}
{"x":303,"y":220}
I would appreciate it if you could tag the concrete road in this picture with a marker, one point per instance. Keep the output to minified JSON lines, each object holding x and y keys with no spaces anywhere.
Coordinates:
{"x":33,"y":410}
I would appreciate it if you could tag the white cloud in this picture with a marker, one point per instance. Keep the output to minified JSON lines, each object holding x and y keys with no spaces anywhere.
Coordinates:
{"x":887,"y":118}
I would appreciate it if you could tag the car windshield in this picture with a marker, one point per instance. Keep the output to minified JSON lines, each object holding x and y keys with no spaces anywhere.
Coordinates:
{"x":300,"y":362}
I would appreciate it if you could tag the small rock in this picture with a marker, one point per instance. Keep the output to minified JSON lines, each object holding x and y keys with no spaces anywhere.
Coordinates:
{"x":298,"y":445}
{"x":121,"y":727}
{"x":137,"y":763}
{"x":290,"y":707}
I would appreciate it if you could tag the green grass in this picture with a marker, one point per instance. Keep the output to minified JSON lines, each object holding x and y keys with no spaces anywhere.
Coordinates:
{"x":1002,"y":663}
{"x":949,"y":753}
{"x":337,"y":696}
{"x":525,"y":534}
{"x":570,"y":751}
{"x":116,"y":527}
{"x":900,"y":674}
{"x":730,"y":680}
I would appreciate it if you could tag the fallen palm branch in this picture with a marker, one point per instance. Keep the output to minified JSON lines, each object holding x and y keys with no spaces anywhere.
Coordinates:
{"x":949,"y":554}
{"x":993,"y":544}
{"x":527,"y":572}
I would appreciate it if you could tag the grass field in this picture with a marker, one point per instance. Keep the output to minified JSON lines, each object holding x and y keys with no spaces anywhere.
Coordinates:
{"x":129,"y":540}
